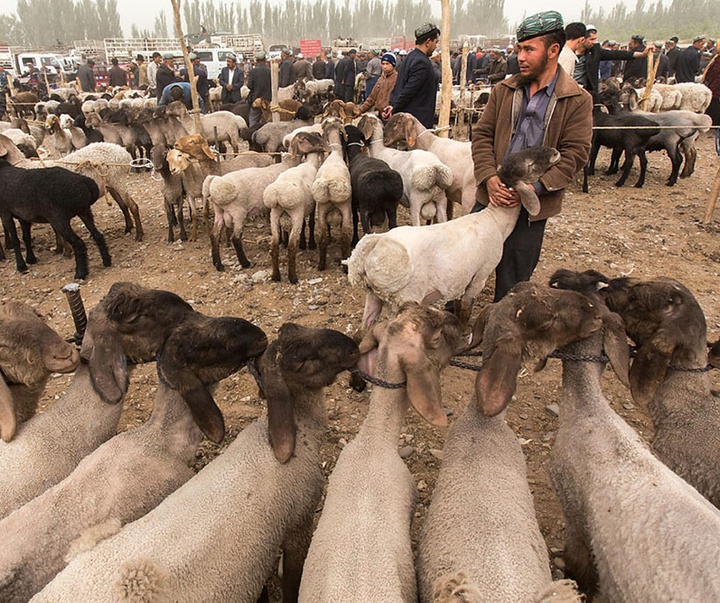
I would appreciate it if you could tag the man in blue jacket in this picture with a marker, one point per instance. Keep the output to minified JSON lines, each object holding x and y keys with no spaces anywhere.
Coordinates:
{"x":416,"y":90}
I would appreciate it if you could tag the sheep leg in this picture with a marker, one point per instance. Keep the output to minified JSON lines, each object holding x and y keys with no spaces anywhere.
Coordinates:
{"x":127,"y":205}
{"x":578,"y":557}
{"x":97,"y":236}
{"x":593,"y":157}
{"x":323,"y":210}
{"x":295,"y":548}
{"x":170,"y":215}
{"x":311,"y":226}
{"x":79,"y":248}
{"x":298,"y":224}
{"x":615,"y":162}
{"x":193,"y":219}
{"x":414,"y":216}
{"x":345,"y":234}
{"x":29,"y":255}
{"x":275,"y":213}
{"x":688,"y":148}
{"x":392,"y":217}
{"x":10,"y":229}
{"x":181,"y":220}
{"x":642,"y":157}
{"x":627,"y":166}
{"x":215,"y":243}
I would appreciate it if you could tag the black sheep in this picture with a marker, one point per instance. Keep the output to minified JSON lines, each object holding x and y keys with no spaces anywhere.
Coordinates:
{"x":376,"y":187}
{"x":51,"y":195}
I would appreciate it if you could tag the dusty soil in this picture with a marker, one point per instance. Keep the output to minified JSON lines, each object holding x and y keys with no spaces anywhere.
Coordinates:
{"x":651,"y":231}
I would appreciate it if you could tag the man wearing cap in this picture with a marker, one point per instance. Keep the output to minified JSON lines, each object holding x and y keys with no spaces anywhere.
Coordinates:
{"x":165,"y":73}
{"x":380,"y":95}
{"x":231,"y":80}
{"x":542,"y":105}
{"x":663,"y":64}
{"x":202,"y":86}
{"x":259,"y":86}
{"x":286,"y":73}
{"x":636,"y":68}
{"x":672,"y":52}
{"x":301,"y":68}
{"x":142,"y":73}
{"x":117,"y":76}
{"x":373,"y":71}
{"x":498,"y":67}
{"x":345,"y":76}
{"x":416,"y":88}
{"x":152,"y":71}
{"x":688,"y":61}
{"x":587,"y":74}
{"x":179,"y":91}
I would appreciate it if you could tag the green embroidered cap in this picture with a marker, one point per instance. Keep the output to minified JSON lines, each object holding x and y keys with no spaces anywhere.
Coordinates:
{"x":539,"y":24}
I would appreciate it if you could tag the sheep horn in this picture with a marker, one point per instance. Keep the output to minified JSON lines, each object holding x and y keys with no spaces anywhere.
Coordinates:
{"x":74,"y":297}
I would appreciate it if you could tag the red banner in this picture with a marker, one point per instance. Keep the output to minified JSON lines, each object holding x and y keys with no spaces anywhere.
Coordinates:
{"x":310,"y":48}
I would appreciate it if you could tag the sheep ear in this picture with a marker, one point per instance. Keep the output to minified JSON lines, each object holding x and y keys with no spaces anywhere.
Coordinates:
{"x":615,"y":345}
{"x":649,"y":367}
{"x":528,"y":198}
{"x":205,"y":148}
{"x":497,"y":380}
{"x":281,"y":418}
{"x":423,"y":391}
{"x":294,"y":147}
{"x":108,"y":368}
{"x":8,"y":419}
{"x":201,"y":404}
{"x":476,"y":337}
{"x":368,"y":347}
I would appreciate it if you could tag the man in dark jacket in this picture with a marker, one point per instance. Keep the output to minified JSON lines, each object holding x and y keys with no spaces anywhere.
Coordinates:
{"x":542,"y":105}
{"x":86,"y":76}
{"x":318,"y":68}
{"x":345,"y":76}
{"x":165,"y":73}
{"x":636,"y":68}
{"x":202,"y":87}
{"x":259,"y":85}
{"x":688,"y":61}
{"x":416,"y":90}
{"x":117,"y":76}
{"x":594,"y":53}
{"x":672,"y":52}
{"x":231,"y":79}
{"x":286,"y":73}
{"x":663,"y":64}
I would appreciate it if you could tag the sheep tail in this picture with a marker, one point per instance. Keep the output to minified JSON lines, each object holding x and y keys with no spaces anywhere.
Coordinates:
{"x":92,"y":536}
{"x":428,"y":176}
{"x":141,"y":582}
{"x":455,"y":588}
{"x":330,"y":190}
{"x":287,"y":195}
{"x":560,"y":591}
{"x":380,"y":263}
{"x":219,"y":191}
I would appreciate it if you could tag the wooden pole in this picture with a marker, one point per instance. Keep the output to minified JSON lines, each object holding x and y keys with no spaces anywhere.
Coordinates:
{"x":463,"y":68}
{"x":446,"y":90}
{"x":192,"y":78}
{"x":713,"y":199}
{"x":652,"y":66}
{"x":274,"y":82}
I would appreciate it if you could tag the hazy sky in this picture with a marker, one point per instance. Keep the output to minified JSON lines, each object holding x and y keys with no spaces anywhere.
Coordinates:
{"x":143,"y":12}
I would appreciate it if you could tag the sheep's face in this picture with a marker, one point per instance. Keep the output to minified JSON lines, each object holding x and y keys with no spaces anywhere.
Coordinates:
{"x":178,"y":161}
{"x":402,"y":127}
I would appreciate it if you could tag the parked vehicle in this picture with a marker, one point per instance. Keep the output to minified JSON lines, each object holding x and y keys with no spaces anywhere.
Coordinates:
{"x":215,"y":59}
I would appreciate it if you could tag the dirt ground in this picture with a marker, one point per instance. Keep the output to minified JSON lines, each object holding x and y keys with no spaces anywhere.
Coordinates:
{"x":644,"y":232}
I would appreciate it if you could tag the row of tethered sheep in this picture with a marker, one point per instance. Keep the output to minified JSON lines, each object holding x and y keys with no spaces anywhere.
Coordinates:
{"x":92,"y":517}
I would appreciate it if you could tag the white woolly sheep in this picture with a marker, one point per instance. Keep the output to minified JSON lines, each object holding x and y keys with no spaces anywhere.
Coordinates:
{"x":290,"y":197}
{"x":333,"y":194}
{"x":146,"y":464}
{"x":220,"y":125}
{"x":361,"y":550}
{"x":130,"y":322}
{"x":425,"y":177}
{"x":217,"y":538}
{"x":30,"y":351}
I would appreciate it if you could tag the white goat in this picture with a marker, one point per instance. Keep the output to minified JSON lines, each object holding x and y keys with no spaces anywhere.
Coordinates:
{"x":425,"y":177}
{"x":224,"y":125}
{"x":453,"y":153}
{"x":146,"y":464}
{"x":49,"y":446}
{"x":481,"y":522}
{"x":332,"y":193}
{"x":217,"y":538}
{"x":290,"y":196}
{"x":361,"y":550}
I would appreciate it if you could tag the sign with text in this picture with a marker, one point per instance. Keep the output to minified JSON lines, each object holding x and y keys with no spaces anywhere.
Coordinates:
{"x":310,"y":48}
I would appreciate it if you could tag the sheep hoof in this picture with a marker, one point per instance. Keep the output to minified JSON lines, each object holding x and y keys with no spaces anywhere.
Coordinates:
{"x":220,"y":267}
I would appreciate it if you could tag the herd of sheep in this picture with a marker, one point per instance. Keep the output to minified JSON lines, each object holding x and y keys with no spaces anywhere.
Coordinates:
{"x":88,"y":515}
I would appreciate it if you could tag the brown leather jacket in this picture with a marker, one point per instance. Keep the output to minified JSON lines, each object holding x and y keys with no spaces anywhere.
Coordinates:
{"x":569,"y":130}
{"x":380,"y":95}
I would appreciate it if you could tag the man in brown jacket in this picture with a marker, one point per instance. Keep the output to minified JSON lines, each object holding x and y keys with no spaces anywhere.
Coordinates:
{"x":542,"y":105}
{"x":380,"y":95}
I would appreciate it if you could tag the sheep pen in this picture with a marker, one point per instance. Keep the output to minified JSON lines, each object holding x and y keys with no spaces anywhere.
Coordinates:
{"x":647,"y":232}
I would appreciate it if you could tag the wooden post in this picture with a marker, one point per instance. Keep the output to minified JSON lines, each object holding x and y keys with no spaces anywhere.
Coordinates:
{"x":463,"y":69}
{"x":652,"y":66}
{"x":189,"y":66}
{"x":446,"y":90}
{"x":713,"y":199}
{"x":274,"y":82}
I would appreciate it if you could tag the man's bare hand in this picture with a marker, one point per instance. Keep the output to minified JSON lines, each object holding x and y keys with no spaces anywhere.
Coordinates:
{"x":501,"y":195}
{"x":387,"y":112}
